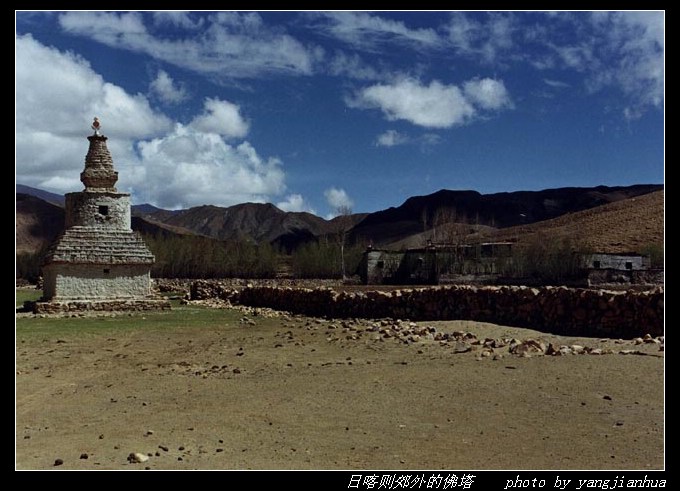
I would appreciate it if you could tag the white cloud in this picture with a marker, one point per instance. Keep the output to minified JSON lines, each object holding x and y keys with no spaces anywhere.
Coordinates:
{"x":636,"y":41}
{"x":229,"y":44}
{"x":558,"y":84}
{"x":54,"y":109}
{"x":486,"y":39}
{"x":615,"y":50}
{"x":487,"y":93}
{"x":342,"y":64}
{"x":362,"y":28}
{"x":189,"y":168}
{"x":433,"y":106}
{"x":296,"y":203}
{"x":164,"y":87}
{"x":177,"y":19}
{"x":337,"y":198}
{"x":221,"y":117}
{"x":391,"y":138}
{"x":161,"y":163}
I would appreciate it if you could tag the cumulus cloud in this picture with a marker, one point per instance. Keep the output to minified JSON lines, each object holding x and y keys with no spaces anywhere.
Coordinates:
{"x":391,"y":138}
{"x":337,"y":199}
{"x":229,"y":44}
{"x":487,"y":93}
{"x":165,"y":88}
{"x":295,"y":202}
{"x":435,"y":105}
{"x":221,"y":117}
{"x":54,"y":109}
{"x":188,"y":167}
{"x":161,"y":162}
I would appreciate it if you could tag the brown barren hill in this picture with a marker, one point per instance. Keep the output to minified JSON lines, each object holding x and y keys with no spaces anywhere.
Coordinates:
{"x":37,"y":223}
{"x":629,"y":225}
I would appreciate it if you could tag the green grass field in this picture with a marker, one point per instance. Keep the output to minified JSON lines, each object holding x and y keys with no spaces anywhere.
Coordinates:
{"x":181,"y":316}
{"x":24,"y":294}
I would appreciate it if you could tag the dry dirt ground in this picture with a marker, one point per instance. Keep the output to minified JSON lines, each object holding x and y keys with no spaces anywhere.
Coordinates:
{"x":201,"y":388}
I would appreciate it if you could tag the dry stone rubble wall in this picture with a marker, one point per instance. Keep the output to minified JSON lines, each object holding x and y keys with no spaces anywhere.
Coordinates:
{"x":557,"y":310}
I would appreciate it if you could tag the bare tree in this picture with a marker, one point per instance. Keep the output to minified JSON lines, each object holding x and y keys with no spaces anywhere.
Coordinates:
{"x":449,"y":228}
{"x":344,"y":224}
{"x":447,"y":225}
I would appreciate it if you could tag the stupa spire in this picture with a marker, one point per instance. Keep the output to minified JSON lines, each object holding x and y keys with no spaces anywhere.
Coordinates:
{"x":99,"y":174}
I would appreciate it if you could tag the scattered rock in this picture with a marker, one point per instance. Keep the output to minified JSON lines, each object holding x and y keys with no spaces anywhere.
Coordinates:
{"x":84,"y":456}
{"x":137,"y":458}
{"x":58,"y":462}
{"x":607,"y":398}
{"x":462,"y":347}
{"x":527,"y":347}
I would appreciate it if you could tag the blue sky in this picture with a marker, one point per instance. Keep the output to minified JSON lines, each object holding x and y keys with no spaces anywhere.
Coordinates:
{"x":316,"y":110}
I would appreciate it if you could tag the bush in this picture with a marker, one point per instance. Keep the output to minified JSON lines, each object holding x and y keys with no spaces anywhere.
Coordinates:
{"x":655,"y":254}
{"x":28,"y":265}
{"x":547,"y":260}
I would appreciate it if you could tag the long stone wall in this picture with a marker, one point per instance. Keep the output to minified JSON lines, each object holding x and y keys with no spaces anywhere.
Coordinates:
{"x":557,"y":310}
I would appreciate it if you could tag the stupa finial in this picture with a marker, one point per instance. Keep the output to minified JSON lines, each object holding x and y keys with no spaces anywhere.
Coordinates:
{"x":96,"y":125}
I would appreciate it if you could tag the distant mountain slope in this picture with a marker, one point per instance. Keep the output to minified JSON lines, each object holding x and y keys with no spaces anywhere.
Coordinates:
{"x":38,"y":223}
{"x":254,"y":222}
{"x":498,"y":210}
{"x":56,"y":199}
{"x":627,"y":225}
{"x":59,"y":199}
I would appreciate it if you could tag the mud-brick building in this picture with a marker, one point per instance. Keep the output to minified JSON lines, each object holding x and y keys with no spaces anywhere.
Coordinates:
{"x":434,"y":264}
{"x":98,"y":262}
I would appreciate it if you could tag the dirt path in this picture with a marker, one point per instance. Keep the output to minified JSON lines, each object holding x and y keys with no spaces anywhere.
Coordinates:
{"x":292,"y":393}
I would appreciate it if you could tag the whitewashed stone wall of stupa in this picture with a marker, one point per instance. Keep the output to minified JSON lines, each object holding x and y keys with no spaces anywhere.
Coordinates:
{"x":96,"y":281}
{"x":86,"y":209}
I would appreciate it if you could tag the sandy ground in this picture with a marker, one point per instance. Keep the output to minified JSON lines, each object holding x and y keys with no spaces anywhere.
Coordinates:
{"x":292,"y":393}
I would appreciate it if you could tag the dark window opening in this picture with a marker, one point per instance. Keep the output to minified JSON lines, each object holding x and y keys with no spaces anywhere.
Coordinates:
{"x":629,"y":265}
{"x":381,"y":264}
{"x":596,"y":264}
{"x":107,"y":270}
{"x":103,"y":210}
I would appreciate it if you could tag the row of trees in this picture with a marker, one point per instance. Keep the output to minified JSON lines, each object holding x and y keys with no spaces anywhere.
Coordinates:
{"x":326,"y":259}
{"x":203,"y":257}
